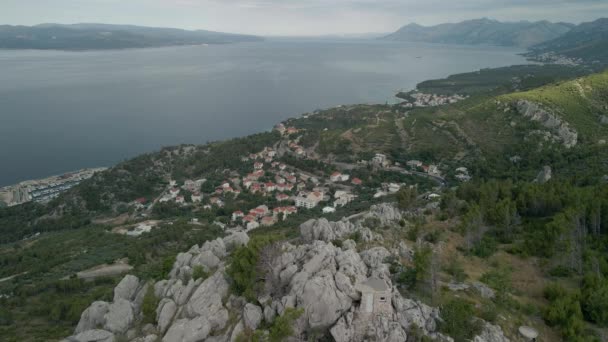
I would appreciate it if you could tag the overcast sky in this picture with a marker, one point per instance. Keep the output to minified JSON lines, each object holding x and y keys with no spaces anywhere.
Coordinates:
{"x":293,"y":17}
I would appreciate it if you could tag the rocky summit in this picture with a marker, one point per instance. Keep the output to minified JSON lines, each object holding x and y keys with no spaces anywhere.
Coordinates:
{"x":309,"y":273}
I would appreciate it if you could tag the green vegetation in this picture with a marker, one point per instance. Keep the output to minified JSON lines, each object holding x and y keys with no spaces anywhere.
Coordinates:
{"x":457,"y":320}
{"x":499,"y":80}
{"x":282,"y":327}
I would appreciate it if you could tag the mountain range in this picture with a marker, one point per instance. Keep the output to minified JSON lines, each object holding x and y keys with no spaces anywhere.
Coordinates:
{"x":483,"y":31}
{"x":587,"y":41}
{"x":104,"y":36}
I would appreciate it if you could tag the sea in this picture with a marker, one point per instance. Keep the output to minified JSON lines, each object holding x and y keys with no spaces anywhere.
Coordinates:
{"x":62,"y":111}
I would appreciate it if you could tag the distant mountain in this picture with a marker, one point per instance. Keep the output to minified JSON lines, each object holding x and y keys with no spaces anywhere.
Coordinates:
{"x":587,"y":41}
{"x":483,"y":31}
{"x":103,"y":36}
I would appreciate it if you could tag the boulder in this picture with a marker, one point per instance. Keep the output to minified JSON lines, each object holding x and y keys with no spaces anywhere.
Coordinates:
{"x":217,"y":247}
{"x":322,"y":229}
{"x":235,"y":240}
{"x":343,"y":331}
{"x":349,"y":245}
{"x":207,"y":260}
{"x":405,"y":251}
{"x":375,"y":257}
{"x":119,"y":317}
{"x":484,"y":290}
{"x":386,"y":213}
{"x":410,"y":312}
{"x":207,"y":299}
{"x":252,"y":316}
{"x":147,"y":338}
{"x":322,"y":301}
{"x":95,"y":335}
{"x":164,"y":314}
{"x":238,"y":329}
{"x":491,"y":333}
{"x":127,"y":288}
{"x":92,"y":317}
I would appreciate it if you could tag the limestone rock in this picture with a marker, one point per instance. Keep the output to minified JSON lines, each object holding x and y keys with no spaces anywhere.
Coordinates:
{"x":491,"y":333}
{"x":533,"y":111}
{"x":348,"y":245}
{"x":119,"y":317}
{"x":95,"y":335}
{"x":386,"y":213}
{"x":323,"y":302}
{"x":207,"y":299}
{"x":252,"y":316}
{"x":127,"y":288}
{"x":544,"y":176}
{"x":92,"y":317}
{"x":321,"y":229}
{"x":375,"y":257}
{"x":484,"y":290}
{"x":165,"y":312}
{"x":236,"y":240}
{"x":207,"y":260}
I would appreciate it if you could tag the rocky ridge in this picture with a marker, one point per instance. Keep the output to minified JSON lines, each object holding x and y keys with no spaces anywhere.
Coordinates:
{"x":314,"y":275}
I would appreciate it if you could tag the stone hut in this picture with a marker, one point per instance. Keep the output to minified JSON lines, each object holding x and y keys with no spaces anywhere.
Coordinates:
{"x":375,"y":297}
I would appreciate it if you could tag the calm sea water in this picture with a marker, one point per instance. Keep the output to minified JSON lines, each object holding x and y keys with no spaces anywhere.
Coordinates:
{"x":61,"y":111}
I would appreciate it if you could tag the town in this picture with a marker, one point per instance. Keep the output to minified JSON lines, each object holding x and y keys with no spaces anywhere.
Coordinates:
{"x":43,"y":190}
{"x":271,"y":190}
{"x":417,"y":99}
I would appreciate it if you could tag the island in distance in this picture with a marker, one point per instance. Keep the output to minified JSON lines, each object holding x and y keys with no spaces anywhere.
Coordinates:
{"x":105,"y":36}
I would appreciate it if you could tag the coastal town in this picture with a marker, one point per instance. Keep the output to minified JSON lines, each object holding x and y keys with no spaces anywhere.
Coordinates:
{"x":418,"y":99}
{"x":44,"y":190}
{"x":272,"y":190}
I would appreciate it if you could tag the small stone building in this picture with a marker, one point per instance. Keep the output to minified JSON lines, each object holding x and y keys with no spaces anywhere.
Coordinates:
{"x":375,"y":297}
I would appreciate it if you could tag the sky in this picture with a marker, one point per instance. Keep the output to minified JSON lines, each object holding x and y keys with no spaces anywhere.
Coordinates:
{"x":293,"y":17}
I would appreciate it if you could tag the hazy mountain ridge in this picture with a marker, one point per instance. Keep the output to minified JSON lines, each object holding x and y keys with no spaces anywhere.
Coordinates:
{"x":105,"y":36}
{"x":587,"y":41}
{"x":483,"y":31}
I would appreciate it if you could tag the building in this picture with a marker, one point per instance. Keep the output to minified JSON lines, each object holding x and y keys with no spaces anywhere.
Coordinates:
{"x":237,"y":215}
{"x":335,"y":177}
{"x":380,"y":160}
{"x":282,"y":197}
{"x":414,"y":164}
{"x":180,"y":200}
{"x":375,"y":297}
{"x":328,"y":210}
{"x":309,"y":201}
{"x":196,"y":197}
{"x":356,"y":181}
{"x":268,"y":221}
{"x":433,"y":170}
{"x":258,"y":165}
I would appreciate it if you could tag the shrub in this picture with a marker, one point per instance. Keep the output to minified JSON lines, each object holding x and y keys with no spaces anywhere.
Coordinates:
{"x":149,"y":305}
{"x":458,"y":320}
{"x":199,"y":272}
{"x":282,"y":327}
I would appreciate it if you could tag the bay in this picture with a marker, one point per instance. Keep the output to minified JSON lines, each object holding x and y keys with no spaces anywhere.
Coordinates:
{"x":62,"y":111}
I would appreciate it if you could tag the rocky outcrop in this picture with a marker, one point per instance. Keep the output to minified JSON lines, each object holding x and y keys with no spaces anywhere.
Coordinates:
{"x":92,"y":317}
{"x":324,"y":230}
{"x":119,"y":317}
{"x":321,"y":229}
{"x":386,"y":213}
{"x":560,"y":129}
{"x":94,"y":335}
{"x":491,"y":333}
{"x":252,"y":316}
{"x":544,"y":176}
{"x":127,"y":288}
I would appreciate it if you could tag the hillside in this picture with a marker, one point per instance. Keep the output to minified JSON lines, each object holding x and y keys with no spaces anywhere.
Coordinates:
{"x":483,"y":31}
{"x":275,"y":234}
{"x":103,"y":36}
{"x":587,"y":42}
